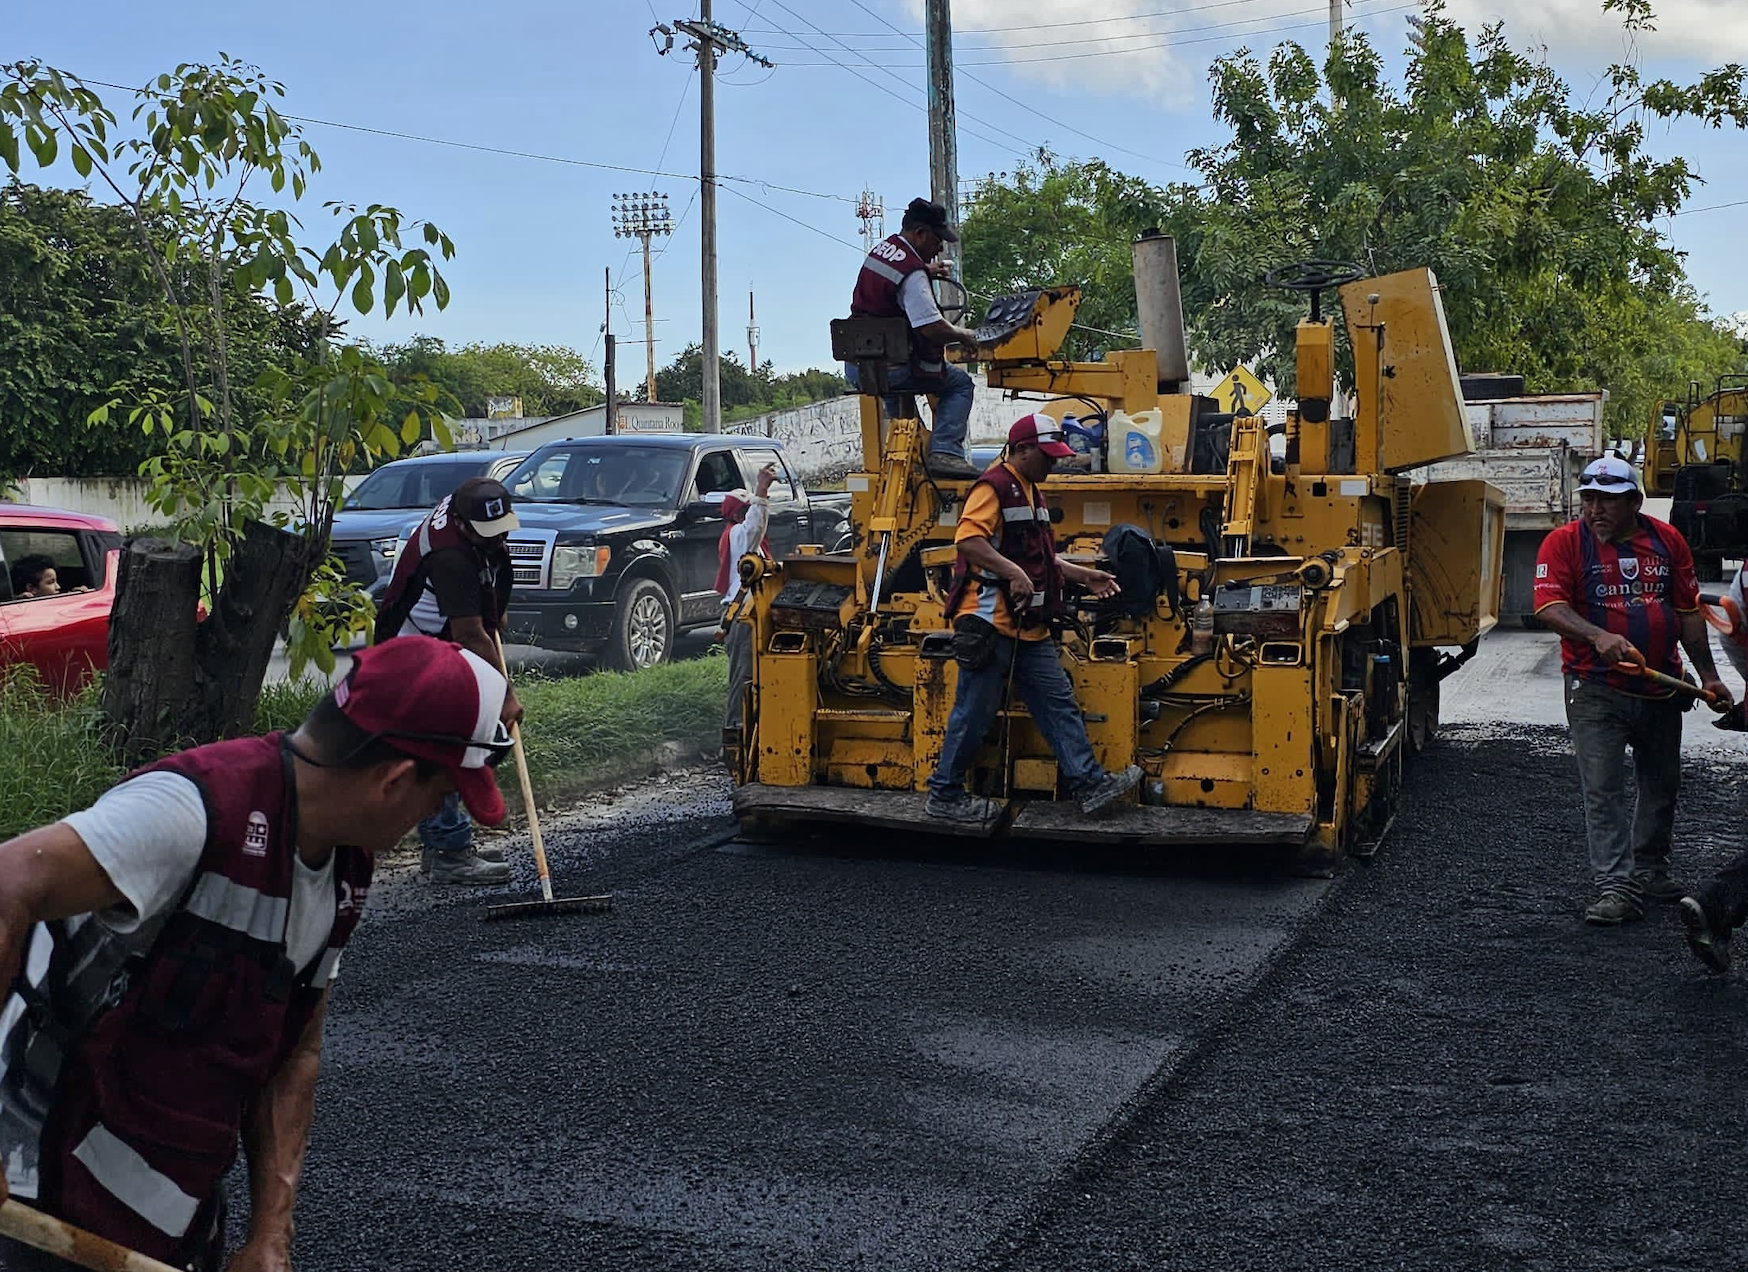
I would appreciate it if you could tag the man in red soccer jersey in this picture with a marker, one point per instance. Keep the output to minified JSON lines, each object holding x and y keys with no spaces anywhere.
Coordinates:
{"x":1619,"y":587}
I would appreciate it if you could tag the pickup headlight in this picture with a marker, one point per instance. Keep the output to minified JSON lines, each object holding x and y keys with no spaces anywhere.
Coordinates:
{"x":383,"y":553}
{"x":572,"y":563}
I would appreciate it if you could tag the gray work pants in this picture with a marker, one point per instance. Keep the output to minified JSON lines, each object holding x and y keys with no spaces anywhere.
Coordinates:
{"x":1628,"y":839}
{"x":739,"y":644}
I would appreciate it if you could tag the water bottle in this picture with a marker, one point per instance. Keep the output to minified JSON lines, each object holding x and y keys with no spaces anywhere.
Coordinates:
{"x":1202,"y":627}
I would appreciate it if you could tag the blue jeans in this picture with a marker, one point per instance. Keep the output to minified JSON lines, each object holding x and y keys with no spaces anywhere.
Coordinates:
{"x":1048,"y":694}
{"x":448,"y":829}
{"x":952,"y":404}
{"x":1627,"y":837}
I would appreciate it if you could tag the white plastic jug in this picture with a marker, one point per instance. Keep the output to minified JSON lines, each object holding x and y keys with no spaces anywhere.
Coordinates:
{"x":1134,"y":443}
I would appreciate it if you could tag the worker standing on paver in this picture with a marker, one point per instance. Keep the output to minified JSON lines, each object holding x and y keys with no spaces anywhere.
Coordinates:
{"x":1006,"y":592}
{"x":894,"y":281}
{"x":1619,"y":588}
{"x":453,"y":580}
{"x":748,"y":516}
{"x":168,"y":954}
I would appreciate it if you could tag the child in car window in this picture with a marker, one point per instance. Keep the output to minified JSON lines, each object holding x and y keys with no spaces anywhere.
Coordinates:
{"x":35,"y":576}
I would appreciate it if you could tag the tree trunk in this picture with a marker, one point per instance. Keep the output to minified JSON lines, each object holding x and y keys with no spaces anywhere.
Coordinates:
{"x":174,"y":683}
{"x":150,"y":680}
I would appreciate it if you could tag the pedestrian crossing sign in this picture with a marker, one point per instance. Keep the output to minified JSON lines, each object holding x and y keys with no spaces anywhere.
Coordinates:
{"x":1241,"y":393}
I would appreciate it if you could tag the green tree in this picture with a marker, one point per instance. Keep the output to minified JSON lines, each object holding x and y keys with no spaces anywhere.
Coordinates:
{"x":550,"y":379}
{"x":745,"y":393}
{"x":1536,"y":210}
{"x":83,"y":317}
{"x":1051,"y":222}
{"x":199,"y":141}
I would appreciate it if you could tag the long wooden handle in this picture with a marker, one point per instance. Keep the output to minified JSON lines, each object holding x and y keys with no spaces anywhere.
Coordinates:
{"x":75,"y":1245}
{"x":540,"y":866}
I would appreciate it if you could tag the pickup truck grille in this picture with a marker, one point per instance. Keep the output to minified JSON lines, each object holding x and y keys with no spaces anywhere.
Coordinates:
{"x":357,"y":560}
{"x":531,"y":560}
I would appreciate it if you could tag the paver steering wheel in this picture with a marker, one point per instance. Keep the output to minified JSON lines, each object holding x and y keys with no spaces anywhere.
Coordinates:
{"x":1314,"y":276}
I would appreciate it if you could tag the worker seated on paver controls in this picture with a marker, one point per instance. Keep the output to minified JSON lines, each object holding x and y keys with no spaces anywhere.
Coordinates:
{"x":1007,"y":587}
{"x":895,"y":281}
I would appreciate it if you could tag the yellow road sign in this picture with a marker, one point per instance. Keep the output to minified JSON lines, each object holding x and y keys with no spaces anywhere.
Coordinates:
{"x":1241,"y":393}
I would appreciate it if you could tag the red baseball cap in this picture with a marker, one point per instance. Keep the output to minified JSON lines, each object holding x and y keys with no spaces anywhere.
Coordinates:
{"x":435,"y":701}
{"x":1043,"y":432}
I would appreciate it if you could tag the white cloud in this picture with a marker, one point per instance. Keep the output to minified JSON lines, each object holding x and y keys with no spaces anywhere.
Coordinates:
{"x":1705,"y":31}
{"x":1161,"y":48}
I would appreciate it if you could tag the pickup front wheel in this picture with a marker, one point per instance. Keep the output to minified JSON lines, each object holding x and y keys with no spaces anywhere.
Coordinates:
{"x":643,"y":627}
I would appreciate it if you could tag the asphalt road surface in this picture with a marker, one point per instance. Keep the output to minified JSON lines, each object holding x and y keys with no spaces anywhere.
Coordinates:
{"x":896,"y":1056}
{"x":522,"y":658}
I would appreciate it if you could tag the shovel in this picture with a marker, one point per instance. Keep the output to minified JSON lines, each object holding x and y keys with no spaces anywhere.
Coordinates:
{"x":75,"y":1245}
{"x":548,"y":904}
{"x":1669,"y":682}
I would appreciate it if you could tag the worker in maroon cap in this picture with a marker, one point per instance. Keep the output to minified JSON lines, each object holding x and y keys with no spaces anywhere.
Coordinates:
{"x":169,"y":951}
{"x":1005,"y":596}
{"x":453,"y":579}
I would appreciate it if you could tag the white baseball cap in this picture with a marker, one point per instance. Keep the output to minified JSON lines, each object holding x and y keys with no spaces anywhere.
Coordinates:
{"x":1610,"y":475}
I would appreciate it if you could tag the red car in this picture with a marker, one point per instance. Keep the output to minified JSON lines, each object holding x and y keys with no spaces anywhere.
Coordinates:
{"x":60,"y":624}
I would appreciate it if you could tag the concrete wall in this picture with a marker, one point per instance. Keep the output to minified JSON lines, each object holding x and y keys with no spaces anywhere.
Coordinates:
{"x":121,"y":499}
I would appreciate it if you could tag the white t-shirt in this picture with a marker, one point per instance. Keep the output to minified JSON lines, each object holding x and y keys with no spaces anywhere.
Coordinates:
{"x":917,"y":295}
{"x":148,"y":835}
{"x":745,"y":538}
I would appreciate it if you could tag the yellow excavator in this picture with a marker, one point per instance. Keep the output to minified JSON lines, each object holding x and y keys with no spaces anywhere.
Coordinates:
{"x":1694,"y":456}
{"x":1310,"y":601}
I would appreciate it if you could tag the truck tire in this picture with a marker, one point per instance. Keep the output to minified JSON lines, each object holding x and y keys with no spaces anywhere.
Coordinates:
{"x":643,"y":627}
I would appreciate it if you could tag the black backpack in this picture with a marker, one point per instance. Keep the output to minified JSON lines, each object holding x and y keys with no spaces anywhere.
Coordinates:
{"x":1145,"y":570}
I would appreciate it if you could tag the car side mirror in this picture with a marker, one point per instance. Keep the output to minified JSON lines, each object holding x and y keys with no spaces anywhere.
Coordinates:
{"x":699,"y":509}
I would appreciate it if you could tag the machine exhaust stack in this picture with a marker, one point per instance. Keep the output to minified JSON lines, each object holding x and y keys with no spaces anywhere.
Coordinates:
{"x":1160,"y":307}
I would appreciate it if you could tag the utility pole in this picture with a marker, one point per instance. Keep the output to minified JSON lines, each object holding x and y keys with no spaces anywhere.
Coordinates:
{"x":612,"y":388}
{"x":708,"y":41}
{"x":643,"y":216}
{"x":943,"y":122}
{"x":752,"y":336}
{"x":1334,"y":24}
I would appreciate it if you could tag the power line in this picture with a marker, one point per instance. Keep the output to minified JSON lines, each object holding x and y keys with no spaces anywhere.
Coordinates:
{"x":976,"y":79}
{"x":1144,"y":48}
{"x":1059,"y":41}
{"x":827,"y":234}
{"x":1713,"y":207}
{"x":1047,"y":26}
{"x":566,"y":160}
{"x":899,"y":96}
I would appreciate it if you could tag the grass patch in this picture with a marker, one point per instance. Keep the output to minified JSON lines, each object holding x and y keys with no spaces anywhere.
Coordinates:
{"x":55,"y":756}
{"x":576,"y":728}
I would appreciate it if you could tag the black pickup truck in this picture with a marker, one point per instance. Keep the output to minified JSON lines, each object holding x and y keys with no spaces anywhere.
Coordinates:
{"x":617,"y":551}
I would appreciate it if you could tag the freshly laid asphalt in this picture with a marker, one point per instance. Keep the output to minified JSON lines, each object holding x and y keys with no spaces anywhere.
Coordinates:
{"x":893,"y":1056}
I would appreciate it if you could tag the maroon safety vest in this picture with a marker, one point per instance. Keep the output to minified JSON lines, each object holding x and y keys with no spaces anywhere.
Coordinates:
{"x":1027,"y":540}
{"x":141,"y":1054}
{"x":439,"y":532}
{"x":891,"y":261}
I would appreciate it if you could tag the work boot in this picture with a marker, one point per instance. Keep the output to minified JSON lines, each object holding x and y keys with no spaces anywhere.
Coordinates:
{"x":1612,"y":909}
{"x":490,"y":852}
{"x":951,"y":467}
{"x":965,"y":809}
{"x":1710,"y":943}
{"x":1656,"y":885}
{"x":1109,"y":789}
{"x":466,"y":866}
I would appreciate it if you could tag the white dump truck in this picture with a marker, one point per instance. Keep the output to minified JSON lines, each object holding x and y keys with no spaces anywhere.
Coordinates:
{"x":1534,"y":447}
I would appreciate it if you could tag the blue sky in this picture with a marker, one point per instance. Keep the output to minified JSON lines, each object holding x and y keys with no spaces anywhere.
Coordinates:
{"x":582,"y":84}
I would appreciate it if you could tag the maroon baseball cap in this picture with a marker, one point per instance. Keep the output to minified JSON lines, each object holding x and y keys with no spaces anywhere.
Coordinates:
{"x":435,"y":701}
{"x":1043,"y":432}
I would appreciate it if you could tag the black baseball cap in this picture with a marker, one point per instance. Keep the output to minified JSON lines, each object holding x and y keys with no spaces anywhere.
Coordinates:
{"x":484,"y":505}
{"x":934,"y":216}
